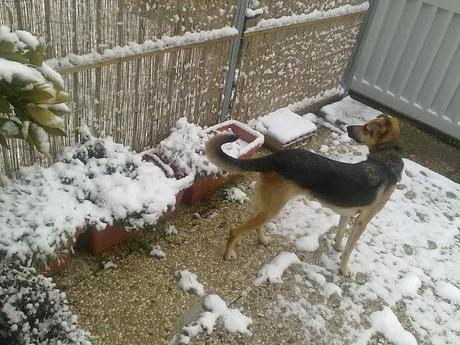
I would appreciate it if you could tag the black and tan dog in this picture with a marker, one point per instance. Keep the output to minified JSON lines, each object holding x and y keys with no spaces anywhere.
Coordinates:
{"x":360,"y":189}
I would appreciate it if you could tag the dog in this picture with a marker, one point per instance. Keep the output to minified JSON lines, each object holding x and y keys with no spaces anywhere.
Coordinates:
{"x":357,"y":190}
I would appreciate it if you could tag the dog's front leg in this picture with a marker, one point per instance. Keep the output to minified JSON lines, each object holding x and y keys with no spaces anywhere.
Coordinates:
{"x":358,"y":229}
{"x":340,"y":233}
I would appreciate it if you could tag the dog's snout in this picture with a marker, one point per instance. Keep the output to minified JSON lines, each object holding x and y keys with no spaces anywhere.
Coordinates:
{"x":350,"y":131}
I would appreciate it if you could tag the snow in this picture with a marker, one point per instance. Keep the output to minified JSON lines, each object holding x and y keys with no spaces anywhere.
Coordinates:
{"x":408,"y":255}
{"x":273,"y":271}
{"x":349,"y":111}
{"x":12,"y":70}
{"x":250,"y":13}
{"x":316,"y":15}
{"x":307,"y":243}
{"x":97,"y":182}
{"x":131,"y":49}
{"x":157,"y":252}
{"x":448,"y":292}
{"x":409,"y":285}
{"x":386,"y":322}
{"x":109,"y":265}
{"x":216,"y":309}
{"x":322,"y":96}
{"x":236,"y":194}
{"x":171,"y":230}
{"x":27,"y":38}
{"x":183,"y":149}
{"x":284,"y":125}
{"x":188,"y":281}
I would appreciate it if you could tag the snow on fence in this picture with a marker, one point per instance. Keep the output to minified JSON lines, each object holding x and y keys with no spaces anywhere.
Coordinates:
{"x":132,"y":68}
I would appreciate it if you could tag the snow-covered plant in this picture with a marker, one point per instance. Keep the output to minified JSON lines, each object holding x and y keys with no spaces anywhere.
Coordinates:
{"x":184,"y":149}
{"x":97,"y":182}
{"x":32,"y":99}
{"x":34,"y":311}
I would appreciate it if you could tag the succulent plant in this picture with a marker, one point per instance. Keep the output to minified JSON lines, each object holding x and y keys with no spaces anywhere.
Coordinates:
{"x":32,"y":98}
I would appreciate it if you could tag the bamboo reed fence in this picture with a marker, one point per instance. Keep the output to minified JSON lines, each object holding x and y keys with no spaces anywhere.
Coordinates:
{"x":137,"y":98}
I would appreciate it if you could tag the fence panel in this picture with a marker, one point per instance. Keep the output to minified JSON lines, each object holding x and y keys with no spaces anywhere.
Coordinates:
{"x":80,"y":26}
{"x":287,"y":64}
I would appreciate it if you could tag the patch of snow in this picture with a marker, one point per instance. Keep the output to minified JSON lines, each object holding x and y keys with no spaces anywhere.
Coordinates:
{"x":188,"y":281}
{"x":149,"y":46}
{"x":157,"y":252}
{"x":349,"y":111}
{"x":307,"y":243}
{"x":386,"y":322}
{"x":284,"y":125}
{"x":184,"y":147}
{"x":216,"y":308}
{"x":171,"y":230}
{"x":409,"y":285}
{"x":265,"y":24}
{"x":237,"y":195}
{"x":273,"y":271}
{"x":322,"y":96}
{"x":109,"y":265}
{"x":250,"y":13}
{"x":448,"y":292}
{"x":418,"y":278}
{"x":27,"y":38}
{"x":96,"y":182}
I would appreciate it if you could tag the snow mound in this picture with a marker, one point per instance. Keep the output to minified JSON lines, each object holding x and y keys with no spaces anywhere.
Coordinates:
{"x":188,"y":282}
{"x":183,"y":149}
{"x":216,"y":308}
{"x":283,"y":125}
{"x":273,"y":271}
{"x":97,"y":182}
{"x":448,"y":292}
{"x":349,"y":111}
{"x":386,"y":322}
{"x":237,"y":195}
{"x":308,"y":243}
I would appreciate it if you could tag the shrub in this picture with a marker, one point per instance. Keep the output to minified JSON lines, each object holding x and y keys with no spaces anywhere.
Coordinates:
{"x":34,"y":311}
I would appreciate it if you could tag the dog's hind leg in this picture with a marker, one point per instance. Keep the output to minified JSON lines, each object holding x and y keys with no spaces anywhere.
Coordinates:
{"x":340,"y":233}
{"x":271,"y":194}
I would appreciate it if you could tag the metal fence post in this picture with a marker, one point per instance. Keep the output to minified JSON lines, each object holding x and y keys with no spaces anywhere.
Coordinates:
{"x":349,"y":71}
{"x":233,"y":59}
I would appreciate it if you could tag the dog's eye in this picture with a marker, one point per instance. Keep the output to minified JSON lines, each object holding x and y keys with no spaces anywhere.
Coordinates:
{"x":366,"y":129}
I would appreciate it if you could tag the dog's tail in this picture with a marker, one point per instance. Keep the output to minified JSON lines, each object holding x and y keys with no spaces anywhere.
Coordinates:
{"x":225,"y":162}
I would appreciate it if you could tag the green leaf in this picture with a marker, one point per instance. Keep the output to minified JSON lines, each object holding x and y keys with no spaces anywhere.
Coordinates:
{"x":55,"y":132}
{"x":40,"y":94}
{"x":6,"y":46}
{"x":3,"y":141}
{"x":4,"y":106}
{"x":14,"y":57}
{"x":36,"y":56}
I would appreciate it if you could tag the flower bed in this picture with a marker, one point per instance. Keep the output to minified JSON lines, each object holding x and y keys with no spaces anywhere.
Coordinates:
{"x":96,"y":183}
{"x":184,"y":151}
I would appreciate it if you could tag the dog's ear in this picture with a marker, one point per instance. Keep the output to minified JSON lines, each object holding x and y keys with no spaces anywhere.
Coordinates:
{"x":392,"y":127}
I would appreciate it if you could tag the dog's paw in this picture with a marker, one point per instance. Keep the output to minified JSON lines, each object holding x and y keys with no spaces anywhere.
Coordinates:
{"x":265,"y":239}
{"x":346,"y":271}
{"x":230,"y":255}
{"x":338,"y":246}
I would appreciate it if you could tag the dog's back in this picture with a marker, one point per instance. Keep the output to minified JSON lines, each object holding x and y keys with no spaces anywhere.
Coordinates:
{"x":333,"y":182}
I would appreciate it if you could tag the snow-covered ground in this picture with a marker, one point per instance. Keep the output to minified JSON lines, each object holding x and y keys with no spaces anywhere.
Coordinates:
{"x":406,"y":260}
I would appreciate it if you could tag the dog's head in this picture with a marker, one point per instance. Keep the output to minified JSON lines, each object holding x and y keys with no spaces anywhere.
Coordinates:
{"x":384,"y":129}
